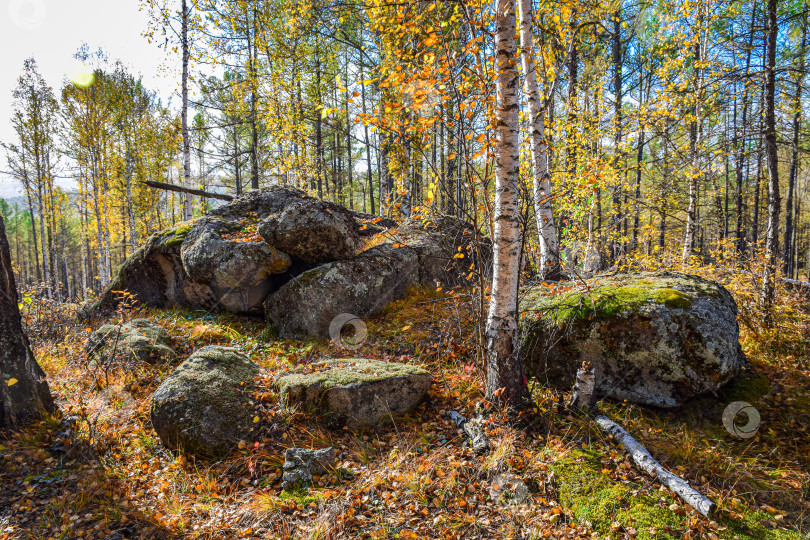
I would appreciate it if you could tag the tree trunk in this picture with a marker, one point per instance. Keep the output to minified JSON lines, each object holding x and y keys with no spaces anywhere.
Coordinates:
{"x":541,"y":177}
{"x":740,"y":143}
{"x":616,"y":217}
{"x":794,"y":156}
{"x":506,"y":382}
{"x":695,"y":130}
{"x":187,"y":203}
{"x":772,"y":232}
{"x":24,"y":392}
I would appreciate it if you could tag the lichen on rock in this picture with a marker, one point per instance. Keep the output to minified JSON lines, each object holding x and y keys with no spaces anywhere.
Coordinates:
{"x":139,"y":339}
{"x":202,"y":407}
{"x":654,"y":338}
{"x":356,"y":391}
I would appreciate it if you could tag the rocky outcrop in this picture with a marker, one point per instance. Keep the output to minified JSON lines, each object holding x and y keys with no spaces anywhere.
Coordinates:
{"x":653,"y":338}
{"x":202,"y":407}
{"x":138,"y":339}
{"x":313,"y":231}
{"x":238,"y":268}
{"x":356,"y":391}
{"x":419,"y":252}
{"x":300,"y":259}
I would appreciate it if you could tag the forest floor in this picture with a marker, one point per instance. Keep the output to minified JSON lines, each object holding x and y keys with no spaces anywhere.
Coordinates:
{"x":415,"y":478}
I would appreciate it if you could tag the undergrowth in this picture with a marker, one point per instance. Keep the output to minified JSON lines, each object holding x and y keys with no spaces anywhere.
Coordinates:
{"x":415,"y":477}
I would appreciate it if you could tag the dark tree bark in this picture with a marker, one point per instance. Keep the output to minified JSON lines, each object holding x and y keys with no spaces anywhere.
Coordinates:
{"x":24,"y":393}
{"x":794,"y":155}
{"x":772,"y":231}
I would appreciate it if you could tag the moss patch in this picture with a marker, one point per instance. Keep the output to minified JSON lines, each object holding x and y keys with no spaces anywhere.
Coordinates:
{"x":594,"y":497}
{"x":610,"y":297}
{"x":347,"y":371}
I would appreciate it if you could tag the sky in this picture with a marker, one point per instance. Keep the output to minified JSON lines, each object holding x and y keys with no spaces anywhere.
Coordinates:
{"x":52,"y":30}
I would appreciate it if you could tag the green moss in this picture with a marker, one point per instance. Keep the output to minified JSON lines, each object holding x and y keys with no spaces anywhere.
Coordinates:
{"x":300,"y":496}
{"x":175,"y":235}
{"x":594,"y":497}
{"x":347,"y":371}
{"x":612,"y":297}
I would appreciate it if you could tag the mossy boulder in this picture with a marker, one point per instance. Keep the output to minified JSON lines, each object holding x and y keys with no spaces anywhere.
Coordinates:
{"x":154,"y":276}
{"x":654,"y":338}
{"x":356,"y":391}
{"x":203,"y":407}
{"x":138,"y":339}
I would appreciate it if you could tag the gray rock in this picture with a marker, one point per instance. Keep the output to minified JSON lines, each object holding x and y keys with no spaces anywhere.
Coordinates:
{"x":508,"y":489}
{"x":238,"y":270}
{"x":301,"y":465}
{"x":445,"y":247}
{"x":416,"y":253}
{"x":313,"y":231}
{"x":203,"y":407}
{"x":357,"y":391}
{"x":363,"y":286}
{"x":652,"y":338}
{"x":154,"y":276}
{"x":138,"y":339}
{"x":220,"y":262}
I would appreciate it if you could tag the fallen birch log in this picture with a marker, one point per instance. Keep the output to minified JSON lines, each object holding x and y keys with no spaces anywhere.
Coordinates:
{"x":584,"y":398}
{"x":473,"y":430}
{"x":642,"y":458}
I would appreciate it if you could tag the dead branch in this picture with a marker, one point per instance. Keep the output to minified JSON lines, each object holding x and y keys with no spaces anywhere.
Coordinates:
{"x":584,"y":399}
{"x":181,"y":189}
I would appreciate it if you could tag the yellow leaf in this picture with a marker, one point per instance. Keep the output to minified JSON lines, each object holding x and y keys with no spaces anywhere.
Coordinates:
{"x":12,"y":381}
{"x":255,"y":419}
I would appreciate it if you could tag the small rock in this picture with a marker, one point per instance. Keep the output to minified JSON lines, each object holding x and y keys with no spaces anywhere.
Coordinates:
{"x":302,"y":465}
{"x":508,"y":489}
{"x":139,"y":339}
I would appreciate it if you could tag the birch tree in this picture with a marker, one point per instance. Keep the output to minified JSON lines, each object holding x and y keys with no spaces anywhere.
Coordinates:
{"x":506,"y":382}
{"x":541,"y":177}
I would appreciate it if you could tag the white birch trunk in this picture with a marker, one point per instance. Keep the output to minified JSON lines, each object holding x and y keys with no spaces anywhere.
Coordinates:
{"x":506,"y":382}
{"x":187,"y":206}
{"x":541,"y":178}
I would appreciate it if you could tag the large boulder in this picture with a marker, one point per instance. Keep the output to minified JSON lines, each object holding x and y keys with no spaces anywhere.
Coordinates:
{"x":138,"y":339}
{"x":236,"y":265}
{"x":357,"y":391}
{"x":654,"y":338}
{"x":154,"y":276}
{"x":203,"y":407}
{"x":313,"y":231}
{"x":427,"y":252}
{"x":306,"y":305}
